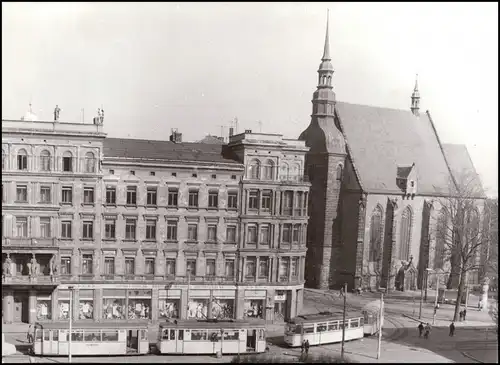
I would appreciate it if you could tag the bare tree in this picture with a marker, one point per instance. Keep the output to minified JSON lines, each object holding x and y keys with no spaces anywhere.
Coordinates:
{"x":459,"y":239}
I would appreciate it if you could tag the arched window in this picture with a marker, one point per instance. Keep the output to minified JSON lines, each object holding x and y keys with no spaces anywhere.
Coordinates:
{"x":375,"y":234}
{"x":67,"y":161}
{"x":22,"y":160}
{"x":339,"y":172}
{"x":89,"y":162}
{"x":329,"y":80}
{"x":4,"y":160}
{"x":324,"y":80}
{"x":405,"y":236}
{"x":441,"y":228}
{"x":255,"y":169}
{"x":45,"y":160}
{"x":284,"y":171}
{"x":295,"y":174}
{"x":269,"y":170}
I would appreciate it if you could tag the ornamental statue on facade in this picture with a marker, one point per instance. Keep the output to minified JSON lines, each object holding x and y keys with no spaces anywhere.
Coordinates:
{"x":57,"y":110}
{"x":7,"y":266}
{"x":399,"y":283}
{"x":33,"y":267}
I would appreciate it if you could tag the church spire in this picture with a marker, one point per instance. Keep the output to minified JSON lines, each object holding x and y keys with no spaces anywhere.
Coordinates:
{"x":326,"y":52}
{"x":415,"y":99}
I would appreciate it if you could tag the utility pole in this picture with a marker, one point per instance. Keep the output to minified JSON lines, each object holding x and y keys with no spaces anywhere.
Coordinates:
{"x":70,"y":322}
{"x":436,"y":300}
{"x":381,"y":321}
{"x":343,"y":323}
{"x":236,"y":124}
{"x":421,"y":293}
{"x":189,"y":284}
{"x":260,"y":126}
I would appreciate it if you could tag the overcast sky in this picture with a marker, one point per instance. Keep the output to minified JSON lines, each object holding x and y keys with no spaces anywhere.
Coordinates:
{"x":197,"y":66}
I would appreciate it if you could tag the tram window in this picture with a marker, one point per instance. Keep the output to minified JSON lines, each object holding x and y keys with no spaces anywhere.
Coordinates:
{"x":354,"y":323}
{"x":333,"y":326}
{"x":55,"y":335}
{"x":231,"y":335}
{"x":361,"y":322}
{"x":341,"y":325}
{"x":321,"y":327}
{"x":109,"y":336}
{"x":198,"y":335}
{"x":309,"y":329}
{"x":46,"y":335}
{"x":38,"y":334}
{"x":64,"y":336}
{"x":77,"y":336}
{"x":181,"y":335}
{"x":298,"y":330}
{"x":172,"y":334}
{"x":92,"y":336}
{"x":262,"y":335}
{"x":144,"y":335}
{"x":214,"y":335}
{"x":164,"y":334}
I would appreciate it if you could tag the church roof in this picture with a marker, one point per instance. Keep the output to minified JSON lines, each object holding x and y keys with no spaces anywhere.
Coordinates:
{"x":164,"y":150}
{"x":381,"y":139}
{"x":461,"y":166}
{"x":212,"y":140}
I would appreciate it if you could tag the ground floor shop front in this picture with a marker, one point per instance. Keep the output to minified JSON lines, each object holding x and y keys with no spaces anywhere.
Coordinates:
{"x":101,"y":302}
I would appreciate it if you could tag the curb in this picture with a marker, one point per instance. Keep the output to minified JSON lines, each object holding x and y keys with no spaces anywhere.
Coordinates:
{"x":471,"y":357}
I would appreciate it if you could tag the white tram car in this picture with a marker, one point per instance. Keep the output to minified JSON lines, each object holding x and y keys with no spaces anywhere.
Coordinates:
{"x":211,"y":336}
{"x":90,"y":338}
{"x":323,"y":328}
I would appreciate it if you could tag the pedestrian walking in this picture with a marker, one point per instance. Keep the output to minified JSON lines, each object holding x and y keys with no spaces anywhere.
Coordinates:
{"x":461,"y":315}
{"x":29,"y":336}
{"x":427,"y":331}
{"x":452,"y":329}
{"x":307,"y":347}
{"x":420,"y":329}
{"x":465,"y":313}
{"x":303,"y":346}
{"x":341,"y":292}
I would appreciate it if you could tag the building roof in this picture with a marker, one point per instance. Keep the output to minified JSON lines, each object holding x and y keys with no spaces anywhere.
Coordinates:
{"x":164,"y":150}
{"x":212,"y":140}
{"x":461,"y":166}
{"x":381,"y":139}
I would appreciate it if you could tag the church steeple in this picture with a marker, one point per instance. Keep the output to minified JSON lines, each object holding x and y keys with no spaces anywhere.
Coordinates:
{"x":326,"y":51}
{"x":415,"y":99}
{"x":325,"y":70}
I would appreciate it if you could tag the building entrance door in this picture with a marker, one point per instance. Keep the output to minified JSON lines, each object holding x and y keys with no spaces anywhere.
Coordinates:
{"x":21,"y":310}
{"x":279,"y":311}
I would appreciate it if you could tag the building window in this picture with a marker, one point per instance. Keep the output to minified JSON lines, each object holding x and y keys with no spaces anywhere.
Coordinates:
{"x":86,"y":304}
{"x":89,"y":162}
{"x":67,"y":161}
{"x":149,"y":266}
{"x":109,"y":229}
{"x":264,"y":267}
{"x":212,"y":233}
{"x":111,"y":172}
{"x":66,"y":265}
{"x":404,"y":245}
{"x":295,"y":267}
{"x":250,"y":267}
{"x":213,"y":199}
{"x":231,"y":234}
{"x":265,"y":236}
{"x":192,"y":232}
{"x":375,"y":234}
{"x":254,"y":170}
{"x":267,"y":196}
{"x":45,"y":194}
{"x":88,"y":230}
{"x":232,"y":200}
{"x":4,"y":160}
{"x":174,"y":174}
{"x":109,"y":265}
{"x":252,"y":234}
{"x":22,"y":193}
{"x":67,"y":195}
{"x":88,"y":195}
{"x":45,"y":227}
{"x":87,"y":264}
{"x":132,"y":172}
{"x":170,"y":267}
{"x":284,"y":268}
{"x":339,"y":172}
{"x":45,"y":160}
{"x":233,"y":177}
{"x":152,"y":173}
{"x":131,"y":195}
{"x":113,"y":307}
{"x":22,"y":160}
{"x":194,"y":175}
{"x":269,"y":170}
{"x":191,"y":267}
{"x":171,"y":230}
{"x":66,"y":229}
{"x":214,"y":176}
{"x":22,"y":227}
{"x":151,"y":229}
{"x":299,"y":202}
{"x":151,"y":196}
{"x":110,"y":195}
{"x":287,"y":233}
{"x":296,"y":233}
{"x":173,"y":195}
{"x":130,"y":229}
{"x":210,"y":267}
{"x":284,"y":171}
{"x":229,"y":268}
{"x":253,"y":199}
{"x":129,"y":266}
{"x":193,"y":198}
{"x":287,"y":202}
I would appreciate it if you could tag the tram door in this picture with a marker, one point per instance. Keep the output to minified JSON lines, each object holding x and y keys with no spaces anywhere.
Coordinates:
{"x":251,"y":340}
{"x":132,"y":341}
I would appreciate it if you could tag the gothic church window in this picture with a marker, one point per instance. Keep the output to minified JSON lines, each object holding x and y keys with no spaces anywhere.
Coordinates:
{"x":405,"y":236}
{"x":375,"y":234}
{"x":339,"y":172}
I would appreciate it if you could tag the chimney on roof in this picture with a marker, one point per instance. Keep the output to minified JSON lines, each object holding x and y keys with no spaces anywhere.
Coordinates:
{"x":175,"y":137}
{"x":248,"y":131}
{"x":231,"y":131}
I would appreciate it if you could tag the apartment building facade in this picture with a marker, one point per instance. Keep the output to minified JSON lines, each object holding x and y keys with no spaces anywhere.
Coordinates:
{"x":137,"y":229}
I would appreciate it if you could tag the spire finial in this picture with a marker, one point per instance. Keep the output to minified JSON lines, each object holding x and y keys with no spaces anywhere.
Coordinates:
{"x":416,"y":83}
{"x":326,"y":52}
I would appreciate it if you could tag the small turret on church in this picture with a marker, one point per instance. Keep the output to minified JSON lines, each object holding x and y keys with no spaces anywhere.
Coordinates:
{"x":415,"y":99}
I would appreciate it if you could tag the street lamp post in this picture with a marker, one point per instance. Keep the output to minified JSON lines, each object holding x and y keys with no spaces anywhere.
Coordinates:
{"x":381,"y":321}
{"x":421,"y":294}
{"x":70,"y":322}
{"x":343,"y":323}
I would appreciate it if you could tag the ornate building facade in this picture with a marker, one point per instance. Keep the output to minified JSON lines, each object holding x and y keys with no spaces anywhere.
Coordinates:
{"x":138,"y":229}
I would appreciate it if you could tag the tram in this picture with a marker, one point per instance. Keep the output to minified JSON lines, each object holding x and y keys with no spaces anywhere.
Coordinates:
{"x":205,"y":337}
{"x":371,"y":313}
{"x":90,"y":338}
{"x":323,"y":328}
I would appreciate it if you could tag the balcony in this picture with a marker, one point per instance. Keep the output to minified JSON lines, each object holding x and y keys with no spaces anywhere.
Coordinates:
{"x":41,"y":280}
{"x":294,"y":179}
{"x":30,"y":242}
